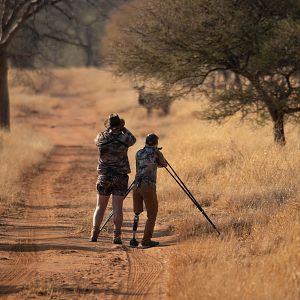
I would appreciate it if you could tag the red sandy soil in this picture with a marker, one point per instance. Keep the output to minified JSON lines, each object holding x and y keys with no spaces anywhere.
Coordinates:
{"x":44,"y":248}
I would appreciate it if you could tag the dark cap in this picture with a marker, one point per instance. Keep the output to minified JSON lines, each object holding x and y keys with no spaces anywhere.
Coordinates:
{"x":152,"y":139}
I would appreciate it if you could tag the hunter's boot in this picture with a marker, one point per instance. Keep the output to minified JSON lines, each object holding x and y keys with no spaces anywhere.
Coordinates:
{"x":94,"y":234}
{"x":117,"y":237}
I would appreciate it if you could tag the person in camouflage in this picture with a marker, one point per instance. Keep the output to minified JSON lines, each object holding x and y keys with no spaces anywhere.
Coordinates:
{"x":113,"y":169}
{"x":147,"y":161}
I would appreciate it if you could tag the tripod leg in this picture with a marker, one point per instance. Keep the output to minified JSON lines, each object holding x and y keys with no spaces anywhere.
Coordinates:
{"x":133,"y":241}
{"x":106,"y":221}
{"x":190,"y":195}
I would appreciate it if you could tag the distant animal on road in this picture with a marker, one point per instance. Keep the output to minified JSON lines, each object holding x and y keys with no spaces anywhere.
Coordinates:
{"x":154,"y":100}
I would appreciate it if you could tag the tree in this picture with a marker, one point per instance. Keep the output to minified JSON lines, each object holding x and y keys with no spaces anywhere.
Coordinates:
{"x":13,"y":15}
{"x":21,"y":34}
{"x":76,"y":34}
{"x":182,"y":43}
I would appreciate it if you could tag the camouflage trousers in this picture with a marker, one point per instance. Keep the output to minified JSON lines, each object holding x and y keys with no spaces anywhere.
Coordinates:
{"x":116,"y":184}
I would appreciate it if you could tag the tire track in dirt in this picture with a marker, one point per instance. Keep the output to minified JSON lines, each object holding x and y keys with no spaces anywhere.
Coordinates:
{"x":148,"y":268}
{"x":144,"y":272}
{"x":22,"y":269}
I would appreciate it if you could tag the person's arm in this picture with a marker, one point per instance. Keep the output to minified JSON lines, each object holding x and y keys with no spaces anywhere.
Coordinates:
{"x":161,"y":161}
{"x":127,"y":137}
{"x":97,"y":140}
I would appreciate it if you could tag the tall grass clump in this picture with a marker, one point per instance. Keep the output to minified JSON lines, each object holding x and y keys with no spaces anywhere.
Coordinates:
{"x":250,"y":189}
{"x":264,"y":264}
{"x":20,"y":151}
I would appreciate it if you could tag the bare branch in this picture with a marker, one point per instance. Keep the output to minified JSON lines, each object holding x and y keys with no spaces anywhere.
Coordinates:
{"x":21,"y":14}
{"x":62,"y":11}
{"x":291,"y":110}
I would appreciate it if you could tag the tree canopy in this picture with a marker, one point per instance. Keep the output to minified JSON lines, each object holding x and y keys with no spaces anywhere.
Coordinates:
{"x":65,"y":34}
{"x":182,"y":43}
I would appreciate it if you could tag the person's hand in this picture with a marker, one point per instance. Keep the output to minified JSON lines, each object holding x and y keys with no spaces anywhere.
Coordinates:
{"x":115,"y":130}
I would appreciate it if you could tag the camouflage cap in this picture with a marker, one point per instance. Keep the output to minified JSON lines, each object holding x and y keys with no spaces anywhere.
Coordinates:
{"x":114,"y":121}
{"x":152,"y":139}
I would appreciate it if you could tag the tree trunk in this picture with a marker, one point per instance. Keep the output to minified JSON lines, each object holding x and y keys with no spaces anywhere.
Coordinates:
{"x":89,"y":54}
{"x":237,"y":81}
{"x":89,"y":59}
{"x":4,"y":96}
{"x":278,"y":128}
{"x":166,"y":109}
{"x":276,"y":115}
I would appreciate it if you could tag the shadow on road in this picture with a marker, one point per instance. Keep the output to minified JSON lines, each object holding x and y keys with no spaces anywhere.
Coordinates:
{"x":47,"y":247}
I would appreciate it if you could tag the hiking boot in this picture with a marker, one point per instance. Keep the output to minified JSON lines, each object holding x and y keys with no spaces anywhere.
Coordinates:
{"x":117,"y":237}
{"x":150,"y":244}
{"x":117,"y":240}
{"x":94,"y":234}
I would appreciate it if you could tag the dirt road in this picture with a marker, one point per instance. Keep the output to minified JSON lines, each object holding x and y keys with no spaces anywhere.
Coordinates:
{"x":44,"y":248}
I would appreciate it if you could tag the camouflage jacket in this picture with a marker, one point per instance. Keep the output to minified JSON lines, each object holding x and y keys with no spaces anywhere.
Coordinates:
{"x":147,"y":161}
{"x":113,"y":148}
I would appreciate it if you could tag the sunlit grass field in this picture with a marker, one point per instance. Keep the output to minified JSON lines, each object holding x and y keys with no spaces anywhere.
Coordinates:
{"x":247,"y":185}
{"x":250,"y":188}
{"x":20,"y":152}
{"x":23,"y":148}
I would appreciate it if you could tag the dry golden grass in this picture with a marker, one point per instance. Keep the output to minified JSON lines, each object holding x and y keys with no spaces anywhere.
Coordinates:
{"x":30,"y":102}
{"x":250,"y":188}
{"x":261,"y":264}
{"x":20,"y":151}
